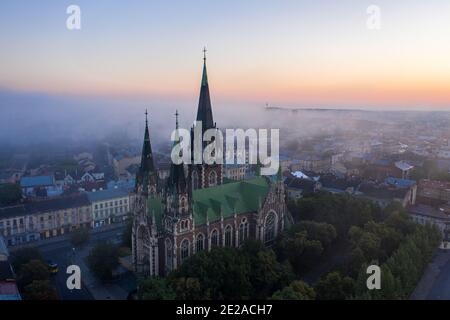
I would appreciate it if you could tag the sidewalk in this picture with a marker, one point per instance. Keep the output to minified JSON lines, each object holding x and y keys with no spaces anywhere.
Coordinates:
{"x":97,"y":289}
{"x":66,"y":237}
{"x":430,"y":275}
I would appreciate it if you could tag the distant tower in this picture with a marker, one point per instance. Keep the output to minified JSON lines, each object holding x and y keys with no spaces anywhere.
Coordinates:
{"x":204,"y":175}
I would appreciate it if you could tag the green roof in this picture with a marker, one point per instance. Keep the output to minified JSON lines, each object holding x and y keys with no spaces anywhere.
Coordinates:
{"x":237,"y":197}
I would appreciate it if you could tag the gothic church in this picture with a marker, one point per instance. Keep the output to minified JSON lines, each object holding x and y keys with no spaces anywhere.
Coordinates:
{"x":197,"y":211}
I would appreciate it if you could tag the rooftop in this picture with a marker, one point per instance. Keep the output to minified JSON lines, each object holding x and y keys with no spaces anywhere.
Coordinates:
{"x":226,"y":200}
{"x":107,"y":194}
{"x":37,"y":181}
{"x":403,"y":165}
{"x":400,"y":183}
{"x":428,"y":211}
{"x":36,"y":207}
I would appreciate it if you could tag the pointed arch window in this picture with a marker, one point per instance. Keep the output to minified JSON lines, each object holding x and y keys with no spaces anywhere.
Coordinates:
{"x":184,"y":249}
{"x":195,"y":183}
{"x":212,"y":178}
{"x":270,"y":228}
{"x":200,"y":245}
{"x":183,"y":203}
{"x":243,"y":231}
{"x":214,"y":238}
{"x":228,"y":236}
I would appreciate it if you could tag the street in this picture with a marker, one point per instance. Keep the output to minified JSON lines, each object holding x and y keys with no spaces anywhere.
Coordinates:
{"x":60,"y":251}
{"x":435,"y":282}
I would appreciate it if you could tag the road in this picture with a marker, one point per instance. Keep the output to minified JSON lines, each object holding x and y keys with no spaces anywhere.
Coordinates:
{"x":60,"y":251}
{"x":435,"y":282}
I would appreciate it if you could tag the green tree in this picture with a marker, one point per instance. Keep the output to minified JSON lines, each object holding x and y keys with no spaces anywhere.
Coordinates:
{"x":155,"y":289}
{"x":32,"y":270}
{"x":40,"y":290}
{"x":323,"y":232}
{"x":25,"y":255}
{"x":79,"y":236}
{"x":189,"y":289}
{"x":267,"y":274}
{"x":225,"y":272}
{"x":297,"y":290}
{"x":301,"y":253}
{"x":333,"y":286}
{"x":103,"y":260}
{"x":127,"y":233}
{"x":10,"y":194}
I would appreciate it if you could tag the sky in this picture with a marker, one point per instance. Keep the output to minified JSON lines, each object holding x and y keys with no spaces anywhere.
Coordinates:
{"x":292,"y":53}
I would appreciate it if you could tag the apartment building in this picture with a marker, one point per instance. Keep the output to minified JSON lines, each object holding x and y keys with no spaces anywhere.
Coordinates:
{"x":108,"y":206}
{"x":44,"y":219}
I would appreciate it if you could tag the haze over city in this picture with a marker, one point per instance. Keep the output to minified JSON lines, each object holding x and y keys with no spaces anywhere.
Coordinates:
{"x":348,"y":199}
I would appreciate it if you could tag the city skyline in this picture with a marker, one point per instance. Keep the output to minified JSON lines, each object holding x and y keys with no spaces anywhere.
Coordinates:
{"x":294,"y":53}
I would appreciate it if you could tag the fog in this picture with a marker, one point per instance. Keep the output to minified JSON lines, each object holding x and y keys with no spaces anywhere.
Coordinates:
{"x":36,"y":118}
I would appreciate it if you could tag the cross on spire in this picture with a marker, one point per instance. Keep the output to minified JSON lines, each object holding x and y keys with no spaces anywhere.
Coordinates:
{"x":176,"y":119}
{"x":204,"y":53}
{"x":146,"y":113}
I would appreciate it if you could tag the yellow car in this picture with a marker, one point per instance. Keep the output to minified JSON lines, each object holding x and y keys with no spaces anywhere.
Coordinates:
{"x":52,"y":267}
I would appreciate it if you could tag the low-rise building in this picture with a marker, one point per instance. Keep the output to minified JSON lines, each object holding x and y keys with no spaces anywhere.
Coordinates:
{"x":44,"y":219}
{"x":433,"y":192}
{"x":424,"y":214}
{"x":121,"y":163}
{"x":297,"y":187}
{"x":39,"y":186}
{"x":109,"y":206}
{"x":385,"y":193}
{"x":235,"y":171}
{"x":8,"y":286}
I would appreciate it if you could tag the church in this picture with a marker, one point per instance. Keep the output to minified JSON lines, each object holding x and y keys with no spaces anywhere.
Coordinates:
{"x":194,"y":209}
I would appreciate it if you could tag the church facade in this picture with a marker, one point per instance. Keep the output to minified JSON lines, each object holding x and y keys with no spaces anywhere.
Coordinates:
{"x":194,"y":210}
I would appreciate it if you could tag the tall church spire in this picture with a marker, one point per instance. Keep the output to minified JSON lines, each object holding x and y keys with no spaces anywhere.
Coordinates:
{"x":147,"y":173}
{"x":147,"y":164}
{"x":177,"y":180}
{"x":204,"y":111}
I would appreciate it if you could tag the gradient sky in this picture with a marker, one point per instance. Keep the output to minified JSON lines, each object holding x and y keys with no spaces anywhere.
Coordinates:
{"x":316,"y":53}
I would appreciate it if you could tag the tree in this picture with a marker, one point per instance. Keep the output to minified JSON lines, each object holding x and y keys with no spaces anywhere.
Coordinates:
{"x":40,"y":290}
{"x":323,"y":232}
{"x":298,"y":250}
{"x":224,"y":272}
{"x":333,"y":286}
{"x":189,"y":289}
{"x":103,"y":260}
{"x":155,"y":289}
{"x":127,"y":234}
{"x":24,"y":255}
{"x":31,"y":271}
{"x":267,"y":274}
{"x":10,"y":194}
{"x":297,"y":290}
{"x":79,"y":236}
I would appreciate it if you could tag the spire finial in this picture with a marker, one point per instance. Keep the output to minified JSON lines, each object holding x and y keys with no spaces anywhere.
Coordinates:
{"x":146,"y":114}
{"x":204,"y":53}
{"x":176,"y":119}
